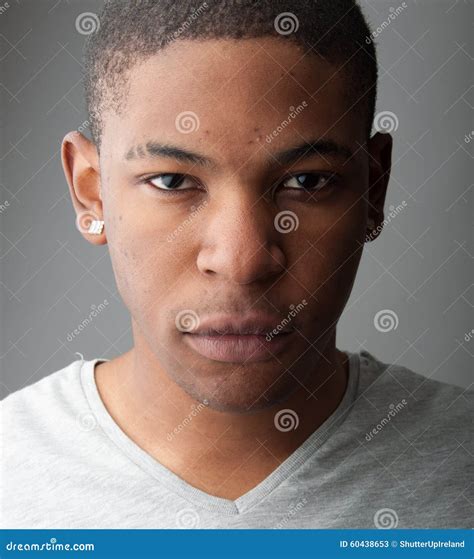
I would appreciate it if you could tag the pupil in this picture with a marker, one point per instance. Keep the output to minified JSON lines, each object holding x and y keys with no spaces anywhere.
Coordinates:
{"x":305,"y":180}
{"x":172,"y":180}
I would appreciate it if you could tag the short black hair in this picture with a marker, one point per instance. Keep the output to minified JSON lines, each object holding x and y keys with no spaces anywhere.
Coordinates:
{"x":129,"y":32}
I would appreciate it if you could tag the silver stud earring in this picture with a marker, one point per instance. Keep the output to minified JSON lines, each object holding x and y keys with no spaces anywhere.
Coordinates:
{"x":96,"y":227}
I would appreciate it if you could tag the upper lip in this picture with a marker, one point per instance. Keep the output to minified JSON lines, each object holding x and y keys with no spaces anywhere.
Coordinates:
{"x":256,"y":324}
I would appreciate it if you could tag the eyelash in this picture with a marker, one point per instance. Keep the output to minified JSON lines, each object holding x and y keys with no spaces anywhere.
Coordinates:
{"x":331,"y":179}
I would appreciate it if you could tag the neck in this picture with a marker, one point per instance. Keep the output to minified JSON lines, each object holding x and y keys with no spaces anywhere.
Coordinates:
{"x":194,"y":440}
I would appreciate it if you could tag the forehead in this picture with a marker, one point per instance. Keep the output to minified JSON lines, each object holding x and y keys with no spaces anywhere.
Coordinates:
{"x":229,"y":94}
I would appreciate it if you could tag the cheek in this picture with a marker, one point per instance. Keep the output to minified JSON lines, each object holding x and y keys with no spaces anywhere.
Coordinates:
{"x":332,"y":248}
{"x":147,"y":265}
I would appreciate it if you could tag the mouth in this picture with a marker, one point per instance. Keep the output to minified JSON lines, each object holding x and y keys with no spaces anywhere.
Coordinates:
{"x":238,"y":348}
{"x":239,"y":340}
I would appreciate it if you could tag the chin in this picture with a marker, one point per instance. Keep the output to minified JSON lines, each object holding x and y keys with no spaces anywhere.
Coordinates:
{"x":243,"y":392}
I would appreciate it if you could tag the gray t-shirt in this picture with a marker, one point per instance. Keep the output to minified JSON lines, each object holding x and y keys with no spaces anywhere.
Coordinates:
{"x":397,"y":452}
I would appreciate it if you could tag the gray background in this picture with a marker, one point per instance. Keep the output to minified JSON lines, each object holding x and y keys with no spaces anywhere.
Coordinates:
{"x":419,"y":268}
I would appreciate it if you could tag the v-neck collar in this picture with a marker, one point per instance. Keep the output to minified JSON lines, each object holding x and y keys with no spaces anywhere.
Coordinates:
{"x":196,"y":496}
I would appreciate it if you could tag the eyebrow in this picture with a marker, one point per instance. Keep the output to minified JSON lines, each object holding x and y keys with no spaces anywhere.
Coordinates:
{"x":304,"y":150}
{"x":155,"y":149}
{"x":315,"y":147}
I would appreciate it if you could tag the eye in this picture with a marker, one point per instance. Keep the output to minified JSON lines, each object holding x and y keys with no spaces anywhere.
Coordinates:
{"x":308,"y":181}
{"x":171,"y":181}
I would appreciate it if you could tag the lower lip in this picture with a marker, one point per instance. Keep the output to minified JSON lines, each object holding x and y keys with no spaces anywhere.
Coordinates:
{"x":232,"y":348}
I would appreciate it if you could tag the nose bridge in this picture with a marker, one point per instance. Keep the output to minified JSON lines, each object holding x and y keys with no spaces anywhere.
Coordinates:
{"x":240,"y":243}
{"x":247,"y":214}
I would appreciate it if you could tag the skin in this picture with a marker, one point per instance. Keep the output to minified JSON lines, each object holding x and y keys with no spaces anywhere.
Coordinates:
{"x":229,"y":257}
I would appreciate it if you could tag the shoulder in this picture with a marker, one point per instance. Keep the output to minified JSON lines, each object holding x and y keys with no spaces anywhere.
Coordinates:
{"x":413,"y":434}
{"x":38,"y":397}
{"x":377,"y":377}
{"x":422,"y":406}
{"x":41,"y":411}
{"x":45,"y":432}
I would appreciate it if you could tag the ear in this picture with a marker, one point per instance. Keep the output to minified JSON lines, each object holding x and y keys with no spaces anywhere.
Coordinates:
{"x":80,"y":161}
{"x":380,"y":162}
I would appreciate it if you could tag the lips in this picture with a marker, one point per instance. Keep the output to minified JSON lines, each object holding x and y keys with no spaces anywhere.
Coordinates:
{"x":256,"y":324}
{"x":234,"y":339}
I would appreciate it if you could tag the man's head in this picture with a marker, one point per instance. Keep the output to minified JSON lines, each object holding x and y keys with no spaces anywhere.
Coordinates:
{"x":235,"y":177}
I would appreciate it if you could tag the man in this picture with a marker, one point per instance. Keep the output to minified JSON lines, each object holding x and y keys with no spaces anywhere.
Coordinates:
{"x":234,"y":178}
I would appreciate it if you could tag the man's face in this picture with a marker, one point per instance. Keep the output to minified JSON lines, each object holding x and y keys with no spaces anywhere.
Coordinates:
{"x":218,"y":244}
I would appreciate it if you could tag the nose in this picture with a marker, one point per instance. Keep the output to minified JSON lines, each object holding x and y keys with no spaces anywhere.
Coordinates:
{"x":240,"y":242}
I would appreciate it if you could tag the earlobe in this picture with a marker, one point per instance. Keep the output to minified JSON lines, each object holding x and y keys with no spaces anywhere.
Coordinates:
{"x":80,"y":162}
